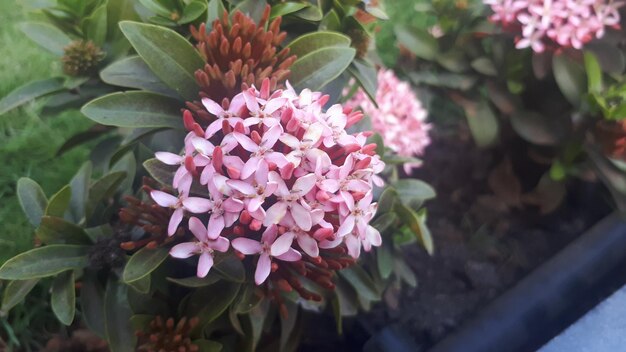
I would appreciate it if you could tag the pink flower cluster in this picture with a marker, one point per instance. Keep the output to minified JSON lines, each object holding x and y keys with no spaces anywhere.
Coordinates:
{"x":282,"y":177}
{"x":400,"y":117}
{"x":561,"y":23}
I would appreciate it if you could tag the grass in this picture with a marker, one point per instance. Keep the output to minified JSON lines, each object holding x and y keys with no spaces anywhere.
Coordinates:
{"x":28,"y":141}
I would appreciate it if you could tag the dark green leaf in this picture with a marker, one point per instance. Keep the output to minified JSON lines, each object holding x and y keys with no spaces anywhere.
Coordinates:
{"x":313,"y":41}
{"x":141,"y":322}
{"x":92,"y":303}
{"x":133,"y":72}
{"x":288,"y":323}
{"x":83,"y":137}
{"x":32,"y":199}
{"x":205,"y":304}
{"x":63,"y":299}
{"x":404,"y":271}
{"x":539,"y":129}
{"x":117,"y":313}
{"x":171,"y":57}
{"x":135,"y":109}
{"x":365,"y":74}
{"x":483,"y":123}
{"x":316,"y":69}
{"x":56,"y":230}
{"x":161,"y":172}
{"x":144,"y":262}
{"x":385,"y":222}
{"x":594,"y":73}
{"x":384,"y":260}
{"x":47,"y":36}
{"x":362,"y":283}
{"x":59,"y":202}
{"x":103,"y":189}
{"x":485,"y":66}
{"x":387,"y":200}
{"x":570,"y":77}
{"x":15,"y":292}
{"x":80,"y":190}
{"x":96,"y":25}
{"x":29,"y":92}
{"x":285,"y":8}
{"x":231,"y":269}
{"x":44,"y":261}
{"x":195,"y":282}
{"x":142,"y":285}
{"x":207,"y":345}
{"x":247,"y":299}
{"x":330,"y":22}
{"x":99,"y":232}
{"x":418,"y":41}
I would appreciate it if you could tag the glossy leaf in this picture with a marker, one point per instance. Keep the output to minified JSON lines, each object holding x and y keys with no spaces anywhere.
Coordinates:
{"x":47,"y":36}
{"x":362,"y":283}
{"x":80,"y":190}
{"x":570,"y":78}
{"x":385,"y":222}
{"x":208,"y":306}
{"x":316,"y":69}
{"x":142,"y":285}
{"x":413,"y":191}
{"x":56,"y":230}
{"x":59,"y":202}
{"x":44,"y":261}
{"x":96,"y":25}
{"x":171,"y":57}
{"x":63,"y":298}
{"x":32,"y":199}
{"x":92,"y":303}
{"x":15,"y":292}
{"x":231,"y":269}
{"x":102,"y":189}
{"x":416,"y":224}
{"x":194,"y":281}
{"x":310,"y":42}
{"x":330,"y":22}
{"x":285,"y":8}
{"x":135,"y":109}
{"x":132,"y":72}
{"x":29,"y":92}
{"x":156,"y":7}
{"x":117,"y":313}
{"x":143,"y":263}
{"x":365,"y":74}
{"x":161,"y":172}
{"x":418,"y":41}
{"x":193,"y":11}
{"x":594,"y":73}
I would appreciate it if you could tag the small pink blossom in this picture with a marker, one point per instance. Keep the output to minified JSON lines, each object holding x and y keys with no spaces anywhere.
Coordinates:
{"x":204,"y":246}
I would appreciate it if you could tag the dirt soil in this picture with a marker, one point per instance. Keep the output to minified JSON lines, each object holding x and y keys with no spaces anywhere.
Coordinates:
{"x":485,"y":242}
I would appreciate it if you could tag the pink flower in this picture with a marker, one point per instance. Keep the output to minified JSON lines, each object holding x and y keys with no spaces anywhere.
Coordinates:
{"x":399,"y":118}
{"x":204,"y":246}
{"x":555,"y":23}
{"x":268,"y":247}
{"x":273,"y":163}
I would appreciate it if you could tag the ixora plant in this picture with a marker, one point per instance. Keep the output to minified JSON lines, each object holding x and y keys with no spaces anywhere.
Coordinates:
{"x":497,"y":64}
{"x":258,"y":205}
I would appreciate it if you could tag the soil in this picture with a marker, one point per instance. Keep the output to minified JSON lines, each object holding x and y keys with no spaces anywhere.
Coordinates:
{"x":485,"y":242}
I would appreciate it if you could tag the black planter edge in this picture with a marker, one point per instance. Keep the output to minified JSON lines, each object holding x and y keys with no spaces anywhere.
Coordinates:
{"x":542,"y":304}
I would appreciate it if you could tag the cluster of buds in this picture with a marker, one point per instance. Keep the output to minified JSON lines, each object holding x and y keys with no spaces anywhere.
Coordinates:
{"x":399,"y":117}
{"x":81,"y":58}
{"x":165,"y":335}
{"x":555,"y":23}
{"x":280,"y":180}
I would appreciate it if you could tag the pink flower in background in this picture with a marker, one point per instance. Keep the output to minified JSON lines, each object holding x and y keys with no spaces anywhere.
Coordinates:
{"x":561,"y":23}
{"x":399,"y":118}
{"x":277,"y":176}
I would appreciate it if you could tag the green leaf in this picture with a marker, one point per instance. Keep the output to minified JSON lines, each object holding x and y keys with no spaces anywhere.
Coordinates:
{"x":171,"y":57}
{"x":483,"y":123}
{"x":161,"y":172}
{"x":417,"y":225}
{"x":570,"y":77}
{"x":193,"y":11}
{"x":316,"y":69}
{"x":288,"y":323}
{"x":205,"y":304}
{"x":194,"y":281}
{"x":387,"y":200}
{"x":418,"y":41}
{"x":231,"y":269}
{"x":135,"y":109}
{"x":63,"y":298}
{"x":142,"y":285}
{"x":44,"y":261}
{"x":32,"y":199}
{"x":56,"y":230}
{"x":99,"y":232}
{"x":207,"y":345}
{"x":117,"y":313}
{"x":30,"y":92}
{"x":252,"y":8}
{"x":247,"y":299}
{"x":103,"y":189}
{"x":143,"y":263}
{"x":285,"y":8}
{"x":330,"y":22}
{"x":361,"y":282}
{"x":156,"y":7}
{"x":404,"y":271}
{"x":540,"y":129}
{"x":385,"y":222}
{"x":485,"y":66}
{"x":15,"y":292}
{"x":310,"y":13}
{"x":96,"y":25}
{"x":365,"y":74}
{"x":47,"y":36}
{"x":310,"y":42}
{"x":412,"y":191}
{"x":594,"y":73}
{"x":80,"y":190}
{"x":215,"y":11}
{"x":384,"y":261}
{"x":133,"y":72}
{"x":59,"y":202}
{"x":92,"y":303}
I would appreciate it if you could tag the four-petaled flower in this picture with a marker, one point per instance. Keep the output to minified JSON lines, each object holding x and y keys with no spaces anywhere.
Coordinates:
{"x":204,"y":246}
